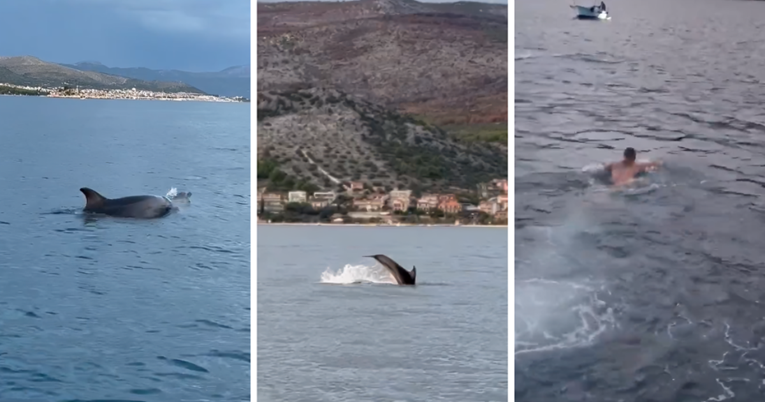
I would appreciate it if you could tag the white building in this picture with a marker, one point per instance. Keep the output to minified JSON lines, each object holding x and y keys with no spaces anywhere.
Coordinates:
{"x":297,"y":196}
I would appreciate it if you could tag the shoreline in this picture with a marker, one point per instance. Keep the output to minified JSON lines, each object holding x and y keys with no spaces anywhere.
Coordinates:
{"x":381,"y":225}
{"x":128,"y":99}
{"x":144,"y":99}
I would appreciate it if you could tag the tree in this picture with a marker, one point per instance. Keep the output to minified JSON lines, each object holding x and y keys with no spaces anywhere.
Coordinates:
{"x":293,"y":207}
{"x":472,"y":198}
{"x":276,"y":176}
{"x":265,"y":167}
{"x":309,"y":188}
{"x":326,"y":213}
{"x":300,"y":208}
{"x":436,"y":213}
{"x":484,"y":218}
{"x":342,"y":200}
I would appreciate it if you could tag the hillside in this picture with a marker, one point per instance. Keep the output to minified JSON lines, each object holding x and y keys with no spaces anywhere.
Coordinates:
{"x":324,"y":136}
{"x":288,"y":15}
{"x":444,"y":63}
{"x":31,"y":71}
{"x":233,"y":81}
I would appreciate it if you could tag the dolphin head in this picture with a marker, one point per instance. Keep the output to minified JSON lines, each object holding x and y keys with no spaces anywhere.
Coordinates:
{"x":182,"y":198}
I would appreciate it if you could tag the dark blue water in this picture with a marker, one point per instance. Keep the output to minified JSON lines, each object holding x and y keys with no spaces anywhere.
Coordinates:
{"x":114,"y":309}
{"x":654,"y":293}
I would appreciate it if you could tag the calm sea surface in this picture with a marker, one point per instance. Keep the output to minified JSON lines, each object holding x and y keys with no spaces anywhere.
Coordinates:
{"x":655,"y":293}
{"x":331,"y":326}
{"x":114,"y":309}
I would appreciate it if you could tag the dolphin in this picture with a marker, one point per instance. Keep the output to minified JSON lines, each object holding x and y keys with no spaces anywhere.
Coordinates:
{"x":401,"y":275}
{"x":138,"y":206}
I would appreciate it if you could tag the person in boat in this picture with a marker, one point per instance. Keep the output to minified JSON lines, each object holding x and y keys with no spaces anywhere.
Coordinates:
{"x":625,"y":171}
{"x":598,"y":8}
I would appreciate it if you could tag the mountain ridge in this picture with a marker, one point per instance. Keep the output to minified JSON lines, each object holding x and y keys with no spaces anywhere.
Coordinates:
{"x":32,"y":71}
{"x":231,"y":81}
{"x":277,"y":16}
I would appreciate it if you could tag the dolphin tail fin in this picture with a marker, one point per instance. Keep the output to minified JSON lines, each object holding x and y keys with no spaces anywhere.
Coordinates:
{"x":93,"y":200}
{"x":413,"y":272}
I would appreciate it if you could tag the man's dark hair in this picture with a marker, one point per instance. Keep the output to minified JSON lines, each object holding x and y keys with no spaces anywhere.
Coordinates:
{"x":630,"y":153}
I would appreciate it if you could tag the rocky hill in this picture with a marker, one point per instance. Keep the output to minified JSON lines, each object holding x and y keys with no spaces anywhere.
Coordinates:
{"x":31,"y":71}
{"x":325,"y":137}
{"x":445,"y":63}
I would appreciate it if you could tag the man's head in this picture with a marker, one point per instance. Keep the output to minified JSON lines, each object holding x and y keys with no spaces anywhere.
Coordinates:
{"x":630,"y":154}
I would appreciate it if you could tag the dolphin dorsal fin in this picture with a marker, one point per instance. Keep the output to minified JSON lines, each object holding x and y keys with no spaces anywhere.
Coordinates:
{"x":413,"y":272}
{"x":93,"y":200}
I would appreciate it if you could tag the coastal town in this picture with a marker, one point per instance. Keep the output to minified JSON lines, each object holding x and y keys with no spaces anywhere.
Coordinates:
{"x":133,"y":94}
{"x":360,"y":203}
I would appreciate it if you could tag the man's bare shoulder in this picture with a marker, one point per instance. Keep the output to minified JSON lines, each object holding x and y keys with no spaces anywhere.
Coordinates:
{"x":613,"y":165}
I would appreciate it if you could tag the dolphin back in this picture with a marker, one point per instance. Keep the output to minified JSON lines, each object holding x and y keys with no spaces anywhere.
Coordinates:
{"x":93,"y":200}
{"x":137,"y":206}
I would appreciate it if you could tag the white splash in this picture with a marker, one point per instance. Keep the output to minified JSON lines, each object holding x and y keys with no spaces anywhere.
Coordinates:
{"x":172,"y":193}
{"x":593,"y":167}
{"x":351,"y":274}
{"x":558,"y":315}
{"x":599,"y":166}
{"x":570,"y":312}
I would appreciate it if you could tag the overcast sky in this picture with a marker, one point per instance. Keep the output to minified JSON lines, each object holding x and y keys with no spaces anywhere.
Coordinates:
{"x":192,"y":35}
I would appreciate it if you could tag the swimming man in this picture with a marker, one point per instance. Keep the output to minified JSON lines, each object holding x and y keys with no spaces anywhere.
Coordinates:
{"x":623,"y":172}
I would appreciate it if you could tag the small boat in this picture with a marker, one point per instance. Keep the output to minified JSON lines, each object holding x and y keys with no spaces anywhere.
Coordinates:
{"x":597,"y":12}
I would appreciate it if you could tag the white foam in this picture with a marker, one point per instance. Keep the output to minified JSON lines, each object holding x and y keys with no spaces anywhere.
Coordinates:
{"x":351,"y":274}
{"x":172,"y":193}
{"x":593,"y":167}
{"x":558,"y":315}
{"x":639,"y":187}
{"x":598,"y":166}
{"x":523,"y":56}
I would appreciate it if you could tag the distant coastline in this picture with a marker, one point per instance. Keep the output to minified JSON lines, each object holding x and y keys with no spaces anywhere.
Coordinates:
{"x":125,"y":94}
